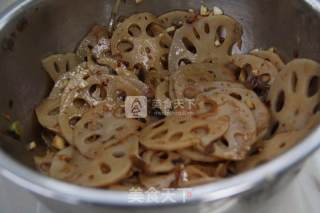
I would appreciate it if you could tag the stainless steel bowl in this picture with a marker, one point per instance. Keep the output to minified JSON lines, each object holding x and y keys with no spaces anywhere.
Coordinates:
{"x":32,"y":29}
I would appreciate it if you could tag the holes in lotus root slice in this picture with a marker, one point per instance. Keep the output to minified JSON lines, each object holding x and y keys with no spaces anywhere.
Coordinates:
{"x":191,"y":80}
{"x":146,"y":47}
{"x":313,"y":86}
{"x":241,"y":133}
{"x":56,"y":65}
{"x":184,"y":61}
{"x":111,"y":90}
{"x":98,"y":92}
{"x":76,"y":100}
{"x":99,"y":129}
{"x":271,"y":56}
{"x":221,"y":35}
{"x":121,"y":87}
{"x":189,"y":45}
{"x":154,"y":29}
{"x":203,"y":36}
{"x":191,"y":175}
{"x":173,"y":20}
{"x":159,"y":181}
{"x":134,"y":30}
{"x":252,"y":101}
{"x":171,"y":134}
{"x":256,"y":73}
{"x":47,"y":113}
{"x":295,"y":94}
{"x":96,"y":42}
{"x":161,"y":162}
{"x":125,"y":46}
{"x":104,"y":169}
{"x":272,"y":148}
{"x":206,"y":107}
{"x":294,"y":81}
{"x":77,"y":78}
{"x":280,"y":101}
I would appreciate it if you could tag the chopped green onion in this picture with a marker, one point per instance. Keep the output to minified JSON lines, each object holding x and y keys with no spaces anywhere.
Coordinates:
{"x":15,"y":128}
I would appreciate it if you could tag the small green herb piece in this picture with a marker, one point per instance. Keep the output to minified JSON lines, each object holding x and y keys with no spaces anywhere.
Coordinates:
{"x":15,"y":128}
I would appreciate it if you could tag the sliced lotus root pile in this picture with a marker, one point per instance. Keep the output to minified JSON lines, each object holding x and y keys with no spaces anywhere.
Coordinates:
{"x":96,"y":42}
{"x":79,"y":100}
{"x":271,"y":56}
{"x":208,"y":40}
{"x":110,"y":166}
{"x":176,"y":133}
{"x":47,"y":113}
{"x":163,"y":97}
{"x":240,"y":135}
{"x":161,"y":162}
{"x":80,"y":76}
{"x":189,"y":80}
{"x":158,"y":181}
{"x":111,"y":90}
{"x":173,"y":20}
{"x":295,"y":95}
{"x":178,"y":58}
{"x":191,"y":175}
{"x":99,"y":129}
{"x":256,"y":73}
{"x":142,"y":42}
{"x":77,"y":77}
{"x":271,"y":149}
{"x":258,"y":109}
{"x":58,"y":64}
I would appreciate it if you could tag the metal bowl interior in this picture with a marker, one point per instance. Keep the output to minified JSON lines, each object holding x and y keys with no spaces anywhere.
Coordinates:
{"x":33,"y":29}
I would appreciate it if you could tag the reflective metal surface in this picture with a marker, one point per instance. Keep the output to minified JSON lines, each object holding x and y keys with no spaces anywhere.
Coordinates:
{"x":33,"y":29}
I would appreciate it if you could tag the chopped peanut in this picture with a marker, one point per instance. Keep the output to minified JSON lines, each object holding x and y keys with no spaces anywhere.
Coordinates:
{"x":217,"y":11}
{"x":204,"y":11}
{"x":58,"y":142}
{"x":255,"y":50}
{"x":272,"y":49}
{"x":242,"y":76}
{"x":171,"y":29}
{"x":217,"y":43}
{"x":32,"y":145}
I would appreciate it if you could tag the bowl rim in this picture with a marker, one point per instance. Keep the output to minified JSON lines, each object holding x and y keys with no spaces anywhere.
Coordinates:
{"x":72,"y":194}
